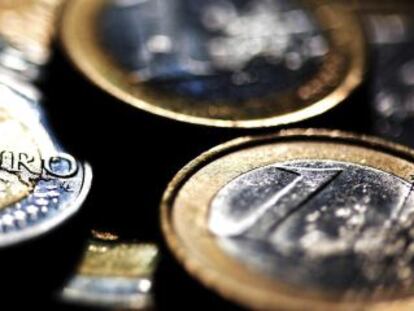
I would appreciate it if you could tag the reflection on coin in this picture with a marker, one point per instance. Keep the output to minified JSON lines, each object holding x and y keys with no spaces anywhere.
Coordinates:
{"x":306,"y":219}
{"x":114,"y":274}
{"x":40,"y":186}
{"x":218,"y":62}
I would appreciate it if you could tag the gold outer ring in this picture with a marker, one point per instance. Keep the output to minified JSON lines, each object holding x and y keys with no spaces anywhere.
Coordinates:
{"x":241,"y":285}
{"x":80,"y":40}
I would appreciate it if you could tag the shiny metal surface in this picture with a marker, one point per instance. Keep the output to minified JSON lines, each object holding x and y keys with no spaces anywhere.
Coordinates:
{"x":40,"y":185}
{"x":215,"y":50}
{"x":301,"y":220}
{"x":31,"y":159}
{"x":321,"y":224}
{"x":221,"y":63}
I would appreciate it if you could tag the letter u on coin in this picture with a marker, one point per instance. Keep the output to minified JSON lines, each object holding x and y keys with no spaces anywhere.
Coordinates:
{"x":220,"y":63}
{"x":305,"y":219}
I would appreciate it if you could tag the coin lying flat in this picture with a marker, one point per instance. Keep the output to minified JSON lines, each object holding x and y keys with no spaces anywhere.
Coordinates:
{"x":306,"y":219}
{"x":219,"y":62}
{"x":40,"y":185}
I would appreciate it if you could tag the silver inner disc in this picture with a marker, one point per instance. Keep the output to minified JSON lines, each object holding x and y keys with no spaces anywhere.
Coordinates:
{"x":324,"y":224}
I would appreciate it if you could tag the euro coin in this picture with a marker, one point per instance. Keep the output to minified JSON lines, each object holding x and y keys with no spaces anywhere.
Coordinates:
{"x":305,"y":219}
{"x":248,"y":64}
{"x":41,"y":191}
{"x":40,"y":185}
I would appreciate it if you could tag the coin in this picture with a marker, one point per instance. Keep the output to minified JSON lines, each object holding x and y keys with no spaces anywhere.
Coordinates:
{"x":40,"y":185}
{"x":310,"y":219}
{"x":222,"y":63}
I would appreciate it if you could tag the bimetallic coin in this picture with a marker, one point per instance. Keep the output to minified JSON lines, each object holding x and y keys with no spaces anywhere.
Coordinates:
{"x":40,"y":185}
{"x":306,"y":219}
{"x":220,"y":63}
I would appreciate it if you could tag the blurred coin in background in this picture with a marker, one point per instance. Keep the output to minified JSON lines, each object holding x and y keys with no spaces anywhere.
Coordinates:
{"x":219,"y":62}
